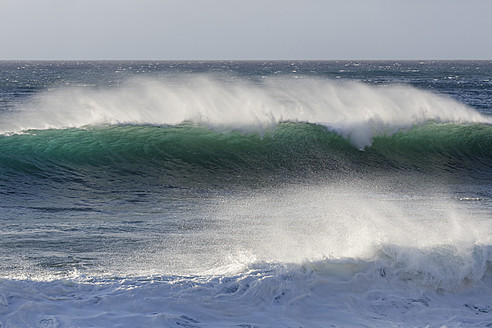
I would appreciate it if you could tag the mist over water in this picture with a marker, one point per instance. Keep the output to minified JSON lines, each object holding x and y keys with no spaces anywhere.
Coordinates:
{"x":357,"y":220}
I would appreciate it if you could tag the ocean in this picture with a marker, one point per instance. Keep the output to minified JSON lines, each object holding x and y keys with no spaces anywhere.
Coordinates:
{"x":246,"y":194}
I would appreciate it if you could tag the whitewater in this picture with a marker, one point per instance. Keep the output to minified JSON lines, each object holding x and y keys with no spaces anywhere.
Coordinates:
{"x":245,"y":194}
{"x":356,"y":111}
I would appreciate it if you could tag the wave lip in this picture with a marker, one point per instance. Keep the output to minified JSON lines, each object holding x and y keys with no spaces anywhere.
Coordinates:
{"x":357,"y":111}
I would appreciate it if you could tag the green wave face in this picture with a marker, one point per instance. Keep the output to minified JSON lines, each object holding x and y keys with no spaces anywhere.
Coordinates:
{"x":195,"y":152}
{"x":440,"y":147}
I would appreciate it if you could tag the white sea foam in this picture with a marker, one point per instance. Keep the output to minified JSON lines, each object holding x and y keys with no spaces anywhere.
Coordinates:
{"x":355,"y":110}
{"x":349,"y":293}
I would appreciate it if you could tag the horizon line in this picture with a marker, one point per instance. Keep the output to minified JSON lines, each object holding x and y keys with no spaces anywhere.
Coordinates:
{"x":236,"y":60}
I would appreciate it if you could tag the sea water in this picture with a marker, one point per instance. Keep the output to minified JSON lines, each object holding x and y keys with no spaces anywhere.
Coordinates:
{"x":246,"y":194}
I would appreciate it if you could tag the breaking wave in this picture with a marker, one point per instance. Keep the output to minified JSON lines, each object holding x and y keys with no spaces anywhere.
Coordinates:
{"x":356,"y":111}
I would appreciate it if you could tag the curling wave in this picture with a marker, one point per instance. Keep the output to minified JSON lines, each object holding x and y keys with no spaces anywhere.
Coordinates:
{"x":356,"y":111}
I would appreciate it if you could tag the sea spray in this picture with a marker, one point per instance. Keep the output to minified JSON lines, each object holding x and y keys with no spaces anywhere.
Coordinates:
{"x":357,"y":111}
{"x":345,"y":220}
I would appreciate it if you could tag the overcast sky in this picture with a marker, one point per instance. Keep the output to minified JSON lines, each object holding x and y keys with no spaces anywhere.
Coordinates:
{"x":245,"y":29}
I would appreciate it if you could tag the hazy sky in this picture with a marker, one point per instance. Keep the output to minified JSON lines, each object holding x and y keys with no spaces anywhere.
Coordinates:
{"x":245,"y":29}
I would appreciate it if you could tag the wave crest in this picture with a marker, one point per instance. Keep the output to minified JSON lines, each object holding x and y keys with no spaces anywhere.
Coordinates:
{"x":357,"y":111}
